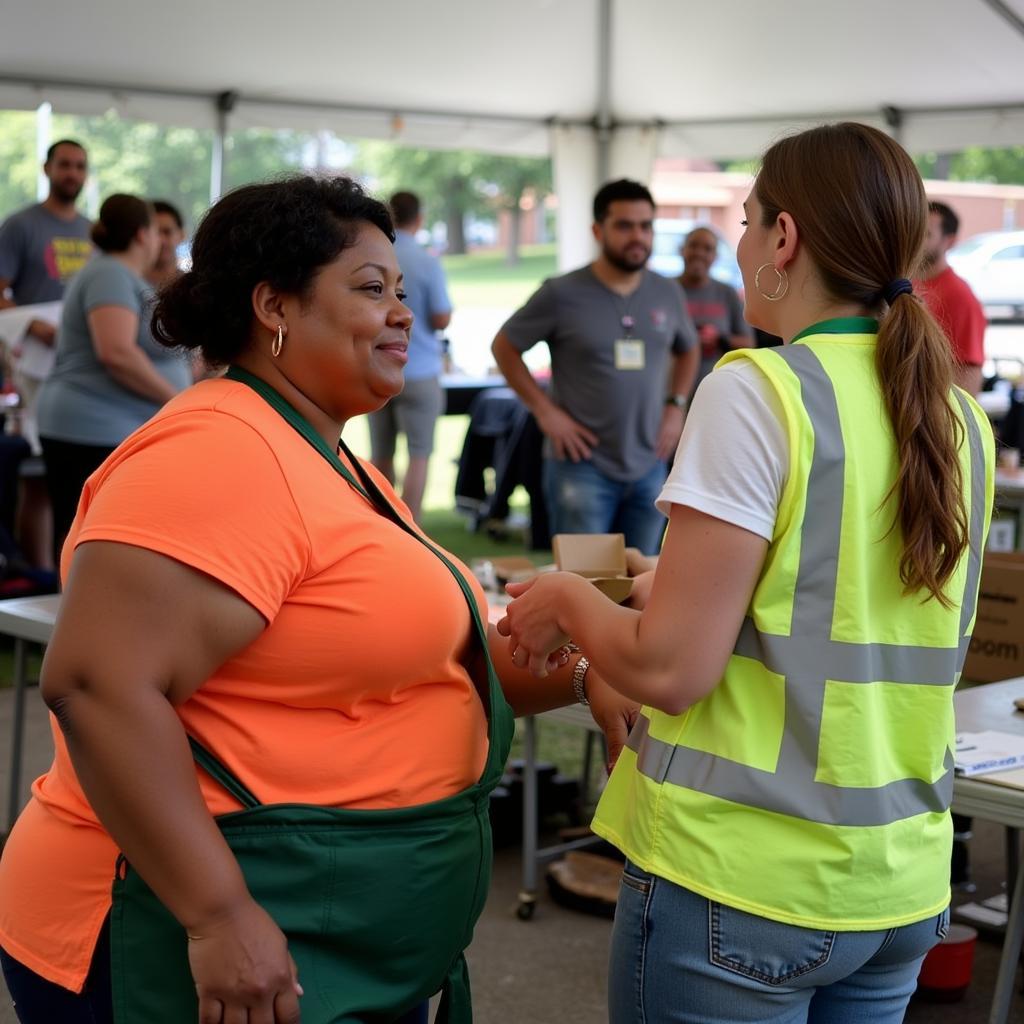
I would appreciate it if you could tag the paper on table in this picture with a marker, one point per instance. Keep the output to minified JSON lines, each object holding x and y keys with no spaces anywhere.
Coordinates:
{"x":979,"y":753}
{"x":35,"y":359}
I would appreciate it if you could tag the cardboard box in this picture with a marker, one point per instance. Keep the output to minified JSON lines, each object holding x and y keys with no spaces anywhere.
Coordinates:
{"x":600,"y":557}
{"x":997,"y":646}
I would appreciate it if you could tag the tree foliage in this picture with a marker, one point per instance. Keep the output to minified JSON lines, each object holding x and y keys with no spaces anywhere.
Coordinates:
{"x":455,"y":184}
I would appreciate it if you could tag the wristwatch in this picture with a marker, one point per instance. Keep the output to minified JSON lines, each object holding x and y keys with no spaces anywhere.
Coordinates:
{"x":679,"y":401}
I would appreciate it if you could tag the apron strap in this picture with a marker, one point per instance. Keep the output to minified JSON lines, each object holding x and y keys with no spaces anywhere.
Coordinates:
{"x":456,"y":1006}
{"x":222,"y":774}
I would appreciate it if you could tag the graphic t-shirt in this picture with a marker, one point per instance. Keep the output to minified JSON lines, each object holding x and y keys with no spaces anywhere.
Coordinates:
{"x":40,"y":253}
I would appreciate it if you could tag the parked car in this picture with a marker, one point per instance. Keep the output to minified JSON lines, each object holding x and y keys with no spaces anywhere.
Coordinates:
{"x":993,"y":265}
{"x":667,"y":260}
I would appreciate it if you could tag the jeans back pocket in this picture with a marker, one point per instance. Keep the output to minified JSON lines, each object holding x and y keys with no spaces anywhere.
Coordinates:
{"x":766,"y":951}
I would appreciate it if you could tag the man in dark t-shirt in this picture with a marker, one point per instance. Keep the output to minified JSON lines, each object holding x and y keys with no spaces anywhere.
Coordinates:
{"x":612,"y":328}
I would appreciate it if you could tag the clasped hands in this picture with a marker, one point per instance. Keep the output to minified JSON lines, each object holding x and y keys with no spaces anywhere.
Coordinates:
{"x":531,"y":620}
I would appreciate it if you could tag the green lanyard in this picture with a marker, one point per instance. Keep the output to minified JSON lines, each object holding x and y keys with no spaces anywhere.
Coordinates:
{"x":366,"y":487}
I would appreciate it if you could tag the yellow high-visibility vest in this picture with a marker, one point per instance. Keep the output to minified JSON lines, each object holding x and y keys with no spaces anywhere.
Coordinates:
{"x":812,"y":785}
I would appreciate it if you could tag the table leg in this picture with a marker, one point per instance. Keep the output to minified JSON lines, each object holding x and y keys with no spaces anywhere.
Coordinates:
{"x":528,"y":893}
{"x":1012,"y":857}
{"x":17,"y":733}
{"x":1012,"y":942}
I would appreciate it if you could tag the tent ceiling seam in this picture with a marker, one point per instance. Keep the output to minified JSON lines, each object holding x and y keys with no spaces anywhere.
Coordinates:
{"x":1006,"y":12}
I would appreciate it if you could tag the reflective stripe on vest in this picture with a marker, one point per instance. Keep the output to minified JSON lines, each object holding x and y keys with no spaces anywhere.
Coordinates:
{"x":809,"y":657}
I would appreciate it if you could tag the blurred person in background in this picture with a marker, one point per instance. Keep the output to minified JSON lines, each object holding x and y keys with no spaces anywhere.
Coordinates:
{"x":41,"y":248}
{"x":110,"y":376}
{"x":715,"y":307}
{"x":950,"y":299}
{"x":616,"y":332}
{"x":170,"y":229}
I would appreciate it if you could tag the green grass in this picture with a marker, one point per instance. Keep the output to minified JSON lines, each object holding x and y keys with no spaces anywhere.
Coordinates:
{"x":485,"y":279}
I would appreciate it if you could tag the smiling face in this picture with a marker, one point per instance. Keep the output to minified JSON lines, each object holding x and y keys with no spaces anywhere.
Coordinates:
{"x":347,"y":340}
{"x":626,"y":234}
{"x":699,"y":252}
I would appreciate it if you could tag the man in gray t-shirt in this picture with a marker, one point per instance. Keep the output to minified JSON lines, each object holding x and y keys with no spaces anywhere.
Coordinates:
{"x":44,"y":245}
{"x":612,"y":328}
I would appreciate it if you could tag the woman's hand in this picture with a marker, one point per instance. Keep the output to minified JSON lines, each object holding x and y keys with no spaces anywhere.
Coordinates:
{"x":531,"y":620}
{"x":242,"y":970}
{"x":615,"y":714}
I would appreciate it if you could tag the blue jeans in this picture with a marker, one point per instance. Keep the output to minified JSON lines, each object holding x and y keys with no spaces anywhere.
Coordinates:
{"x":677,"y":956}
{"x":581,"y":499}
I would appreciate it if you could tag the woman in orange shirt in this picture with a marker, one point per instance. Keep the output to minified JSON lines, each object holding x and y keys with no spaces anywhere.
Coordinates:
{"x":223,"y":582}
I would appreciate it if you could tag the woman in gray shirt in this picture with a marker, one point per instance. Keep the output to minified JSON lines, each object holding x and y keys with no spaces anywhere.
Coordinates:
{"x":110,"y":376}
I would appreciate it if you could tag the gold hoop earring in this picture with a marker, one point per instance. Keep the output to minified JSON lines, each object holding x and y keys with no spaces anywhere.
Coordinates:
{"x":278,"y":343}
{"x":780,"y":289}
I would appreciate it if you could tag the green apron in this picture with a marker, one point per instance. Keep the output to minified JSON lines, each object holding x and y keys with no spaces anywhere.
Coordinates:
{"x":377,"y":905}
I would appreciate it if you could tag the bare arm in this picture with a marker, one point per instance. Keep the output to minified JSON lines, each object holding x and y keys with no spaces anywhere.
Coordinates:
{"x":439,"y":321}
{"x":137,"y":634}
{"x":114,"y":330}
{"x":5,"y":302}
{"x":569,"y":438}
{"x":529,"y":694}
{"x":672,"y":653}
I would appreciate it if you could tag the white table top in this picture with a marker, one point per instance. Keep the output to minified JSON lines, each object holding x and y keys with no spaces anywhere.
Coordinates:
{"x":29,"y":618}
{"x":998,"y":796}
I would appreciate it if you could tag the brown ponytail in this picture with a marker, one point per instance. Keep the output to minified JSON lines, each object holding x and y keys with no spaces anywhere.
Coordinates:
{"x":915,"y":369}
{"x":861,"y":208}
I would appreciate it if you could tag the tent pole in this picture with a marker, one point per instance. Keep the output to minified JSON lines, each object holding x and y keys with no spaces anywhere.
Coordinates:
{"x":225,"y":104}
{"x":603,"y":121}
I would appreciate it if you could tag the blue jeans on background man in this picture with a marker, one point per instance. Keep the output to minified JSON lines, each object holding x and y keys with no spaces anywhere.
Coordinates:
{"x":581,"y":499}
{"x":678,"y":957}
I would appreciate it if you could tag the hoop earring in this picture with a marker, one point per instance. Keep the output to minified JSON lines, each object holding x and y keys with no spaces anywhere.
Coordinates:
{"x":780,"y":289}
{"x":278,"y":343}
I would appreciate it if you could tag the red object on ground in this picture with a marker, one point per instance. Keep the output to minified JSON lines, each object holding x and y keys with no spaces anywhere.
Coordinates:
{"x":946,"y":971}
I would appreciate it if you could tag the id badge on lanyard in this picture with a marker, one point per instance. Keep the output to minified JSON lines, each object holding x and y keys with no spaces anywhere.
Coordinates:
{"x":629,"y":354}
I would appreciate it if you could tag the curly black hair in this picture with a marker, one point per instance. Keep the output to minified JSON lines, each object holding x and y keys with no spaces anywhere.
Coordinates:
{"x":283,"y":232}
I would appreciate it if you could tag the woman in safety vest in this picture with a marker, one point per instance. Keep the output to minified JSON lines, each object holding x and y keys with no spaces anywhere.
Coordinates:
{"x":783,"y":801}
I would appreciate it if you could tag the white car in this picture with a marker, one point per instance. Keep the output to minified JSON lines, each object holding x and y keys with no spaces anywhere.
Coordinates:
{"x":993,"y":265}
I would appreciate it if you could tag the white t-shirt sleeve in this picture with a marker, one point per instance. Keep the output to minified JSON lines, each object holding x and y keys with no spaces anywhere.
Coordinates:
{"x":733,"y":458}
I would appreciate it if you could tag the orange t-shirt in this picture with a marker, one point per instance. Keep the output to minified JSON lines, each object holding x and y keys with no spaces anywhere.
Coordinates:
{"x":353,"y":696}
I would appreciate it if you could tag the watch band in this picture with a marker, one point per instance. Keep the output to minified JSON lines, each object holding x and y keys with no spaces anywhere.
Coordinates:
{"x":579,"y":677}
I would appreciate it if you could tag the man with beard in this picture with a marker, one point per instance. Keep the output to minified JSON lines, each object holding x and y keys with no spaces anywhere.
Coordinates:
{"x":950,"y":299}
{"x":42,"y":246}
{"x":611,"y":327}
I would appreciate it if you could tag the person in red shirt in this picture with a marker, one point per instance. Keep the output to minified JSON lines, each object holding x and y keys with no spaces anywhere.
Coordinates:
{"x":950,"y":299}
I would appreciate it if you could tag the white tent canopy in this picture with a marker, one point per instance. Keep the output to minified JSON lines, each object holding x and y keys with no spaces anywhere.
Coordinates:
{"x":605,"y":85}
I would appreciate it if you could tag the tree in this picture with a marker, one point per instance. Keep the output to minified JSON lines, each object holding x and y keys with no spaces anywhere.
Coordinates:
{"x":457,"y":183}
{"x":511,"y":178}
{"x":18,"y":159}
{"x":1000,"y":166}
{"x":443,"y":179}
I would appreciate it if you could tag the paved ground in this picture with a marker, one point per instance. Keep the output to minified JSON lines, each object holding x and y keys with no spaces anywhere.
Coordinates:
{"x":551,"y":970}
